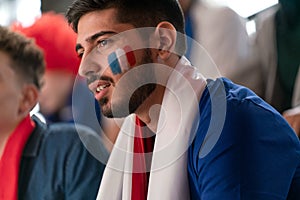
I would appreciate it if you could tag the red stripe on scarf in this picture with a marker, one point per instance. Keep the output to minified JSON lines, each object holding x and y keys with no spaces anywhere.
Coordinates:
{"x":11,"y":158}
{"x":142,"y":144}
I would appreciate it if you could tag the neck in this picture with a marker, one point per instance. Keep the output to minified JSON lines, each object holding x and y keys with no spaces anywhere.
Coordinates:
{"x":149,"y":111}
{"x":111,"y":128}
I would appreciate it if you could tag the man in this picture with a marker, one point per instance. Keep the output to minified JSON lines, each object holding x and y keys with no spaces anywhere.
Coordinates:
{"x":37,"y":161}
{"x":184,"y":137}
{"x":61,"y":64}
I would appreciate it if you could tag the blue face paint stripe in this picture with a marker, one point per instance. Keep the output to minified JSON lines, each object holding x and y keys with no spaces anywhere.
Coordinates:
{"x":114,"y":63}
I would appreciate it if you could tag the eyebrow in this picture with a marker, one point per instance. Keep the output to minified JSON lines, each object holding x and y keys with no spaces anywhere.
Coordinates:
{"x":93,"y":37}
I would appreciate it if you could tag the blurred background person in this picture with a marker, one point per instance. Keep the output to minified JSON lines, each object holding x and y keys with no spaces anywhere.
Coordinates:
{"x":277,"y":60}
{"x":37,"y":161}
{"x":56,"y":39}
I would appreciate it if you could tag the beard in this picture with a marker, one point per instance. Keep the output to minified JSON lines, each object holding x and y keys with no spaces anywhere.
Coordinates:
{"x":121,"y":104}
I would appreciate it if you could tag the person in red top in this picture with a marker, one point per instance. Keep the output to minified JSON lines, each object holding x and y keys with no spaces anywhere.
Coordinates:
{"x":56,"y":39}
{"x":37,"y":161}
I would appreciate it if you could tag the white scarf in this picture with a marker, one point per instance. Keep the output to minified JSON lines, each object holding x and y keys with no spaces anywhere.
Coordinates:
{"x":178,"y":119}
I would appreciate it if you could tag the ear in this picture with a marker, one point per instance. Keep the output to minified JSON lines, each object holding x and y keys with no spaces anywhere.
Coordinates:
{"x":30,"y":95}
{"x":165,"y":34}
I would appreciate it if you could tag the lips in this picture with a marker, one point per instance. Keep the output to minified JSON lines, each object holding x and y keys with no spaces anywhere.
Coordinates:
{"x":100,"y":89}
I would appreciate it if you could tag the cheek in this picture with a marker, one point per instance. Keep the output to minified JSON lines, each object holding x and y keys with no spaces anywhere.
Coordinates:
{"x":9,"y":106}
{"x":121,"y":60}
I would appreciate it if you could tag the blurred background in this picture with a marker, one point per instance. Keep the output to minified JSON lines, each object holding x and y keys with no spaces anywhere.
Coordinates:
{"x":25,"y":11}
{"x":254,"y":43}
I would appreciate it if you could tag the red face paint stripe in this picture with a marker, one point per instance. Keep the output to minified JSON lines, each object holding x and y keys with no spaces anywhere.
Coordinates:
{"x":130,"y":55}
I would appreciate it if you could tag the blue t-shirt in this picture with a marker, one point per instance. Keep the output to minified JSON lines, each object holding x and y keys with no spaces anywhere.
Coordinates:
{"x":255,"y":156}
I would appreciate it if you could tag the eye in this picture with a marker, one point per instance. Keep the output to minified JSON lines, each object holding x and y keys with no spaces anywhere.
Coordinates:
{"x":105,"y":46}
{"x":103,"y":43}
{"x":80,"y":53}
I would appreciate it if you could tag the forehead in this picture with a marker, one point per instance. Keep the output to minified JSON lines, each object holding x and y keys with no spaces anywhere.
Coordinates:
{"x":97,"y":21}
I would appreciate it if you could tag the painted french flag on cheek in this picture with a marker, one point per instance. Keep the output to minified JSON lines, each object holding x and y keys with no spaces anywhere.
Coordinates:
{"x":120,"y":60}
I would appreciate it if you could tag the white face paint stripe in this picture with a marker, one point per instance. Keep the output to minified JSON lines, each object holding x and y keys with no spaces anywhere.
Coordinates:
{"x":121,"y":55}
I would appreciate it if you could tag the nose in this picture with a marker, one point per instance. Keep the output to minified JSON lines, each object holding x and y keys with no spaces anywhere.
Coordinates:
{"x":83,"y":71}
{"x":90,"y":64}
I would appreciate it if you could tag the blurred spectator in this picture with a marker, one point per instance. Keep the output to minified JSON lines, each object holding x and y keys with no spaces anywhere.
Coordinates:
{"x":37,"y":161}
{"x":277,"y":51}
{"x":222,"y":33}
{"x":57,"y":40}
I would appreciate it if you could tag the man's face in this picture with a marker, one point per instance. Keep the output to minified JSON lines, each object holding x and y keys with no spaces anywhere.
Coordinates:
{"x":99,"y":37}
{"x":10,"y":96}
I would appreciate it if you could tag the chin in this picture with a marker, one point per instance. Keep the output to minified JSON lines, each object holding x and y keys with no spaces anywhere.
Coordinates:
{"x":108,"y":114}
{"x":119,"y":112}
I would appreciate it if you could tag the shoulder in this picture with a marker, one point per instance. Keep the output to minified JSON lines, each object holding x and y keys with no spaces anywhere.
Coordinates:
{"x":232,"y":115}
{"x":243,"y":145}
{"x":243,"y":107}
{"x":64,"y":139}
{"x":224,"y":93}
{"x":61,"y":137}
{"x":56,"y":155}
